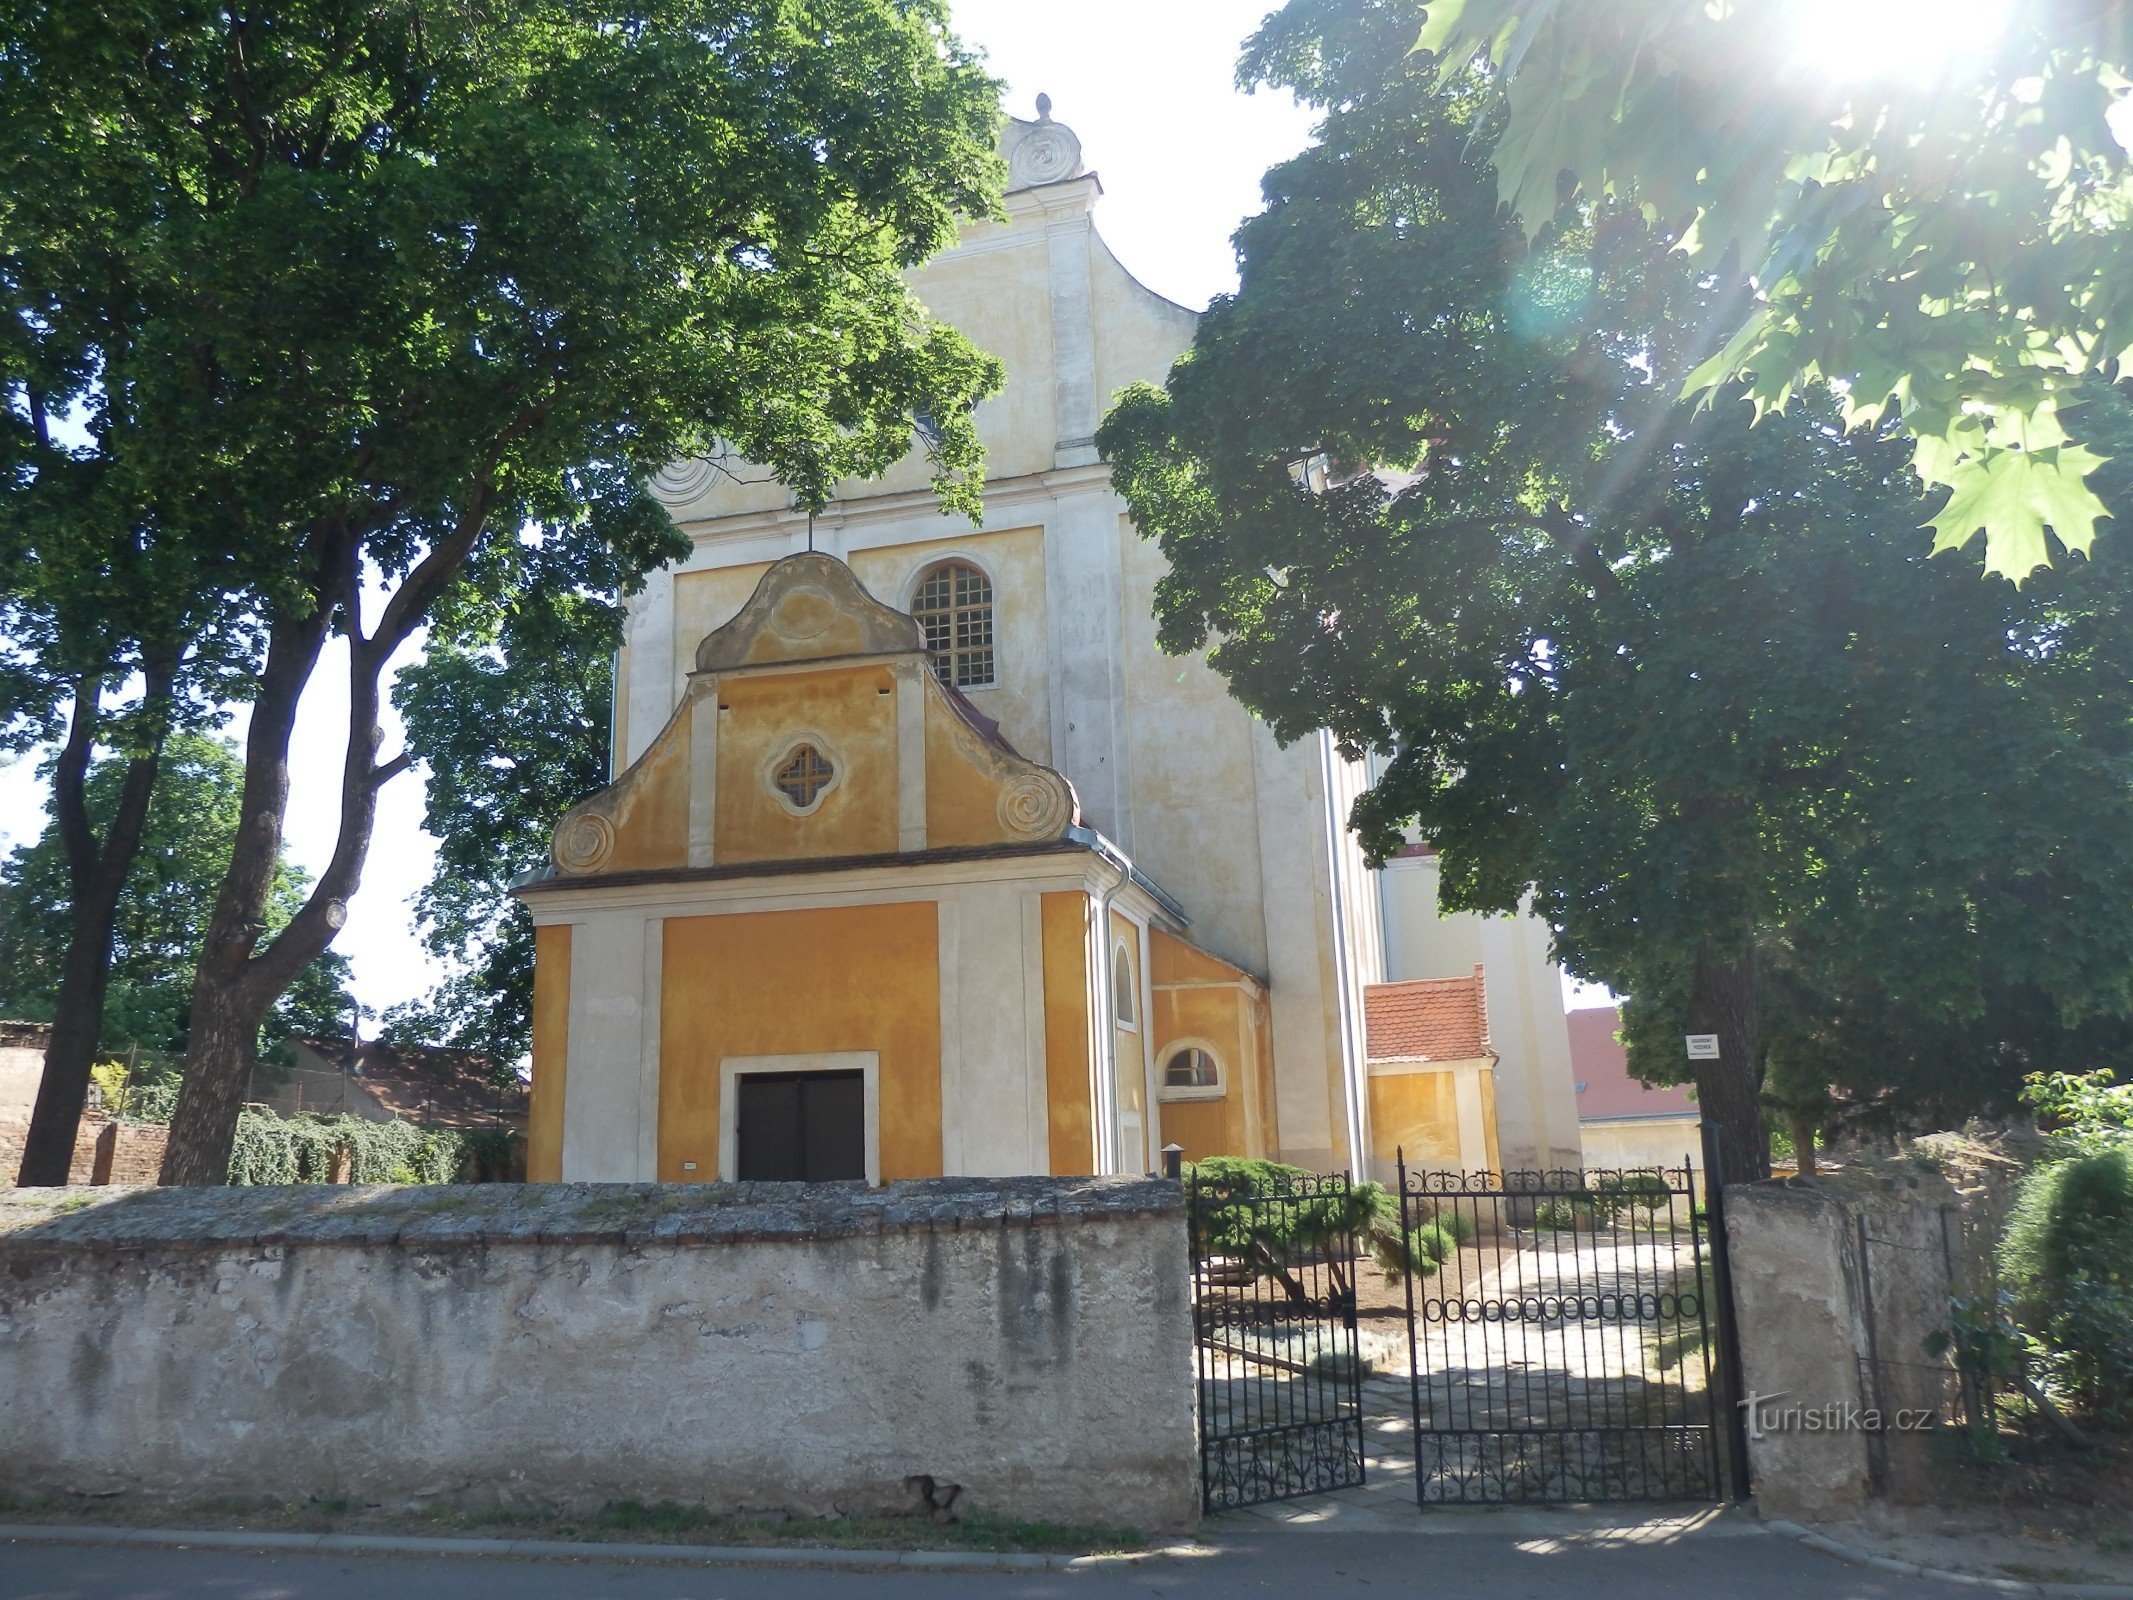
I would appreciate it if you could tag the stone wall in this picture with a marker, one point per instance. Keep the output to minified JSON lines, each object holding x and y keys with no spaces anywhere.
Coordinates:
{"x":756,"y":1347}
{"x":1841,"y":1285}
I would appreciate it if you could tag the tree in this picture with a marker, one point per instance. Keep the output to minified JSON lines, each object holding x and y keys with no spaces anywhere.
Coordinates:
{"x":110,"y":629}
{"x":1940,"y":221}
{"x":1689,"y":688}
{"x":97,"y":641}
{"x":401,"y":277}
{"x":161,"y":916}
{"x":1276,"y":1222}
{"x":511,"y":718}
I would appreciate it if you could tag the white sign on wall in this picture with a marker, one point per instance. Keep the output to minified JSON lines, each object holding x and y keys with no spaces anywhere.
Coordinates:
{"x":1702,"y":1046}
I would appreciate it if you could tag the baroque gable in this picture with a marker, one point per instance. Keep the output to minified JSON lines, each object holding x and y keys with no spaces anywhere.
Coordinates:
{"x":814,"y":728}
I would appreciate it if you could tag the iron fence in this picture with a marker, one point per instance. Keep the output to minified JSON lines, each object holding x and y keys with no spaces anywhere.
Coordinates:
{"x":1561,"y":1347}
{"x":1274,"y":1333}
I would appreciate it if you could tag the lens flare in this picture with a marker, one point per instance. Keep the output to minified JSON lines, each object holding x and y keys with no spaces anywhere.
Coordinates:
{"x":1914,"y":40}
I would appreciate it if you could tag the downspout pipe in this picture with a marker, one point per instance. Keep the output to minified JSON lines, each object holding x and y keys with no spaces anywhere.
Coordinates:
{"x":1111,"y":1140}
{"x":1108,"y":1150}
{"x":1351,"y":1025}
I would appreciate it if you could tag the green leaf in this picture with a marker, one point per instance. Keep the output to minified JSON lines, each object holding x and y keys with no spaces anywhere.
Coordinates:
{"x":2013,"y":496}
{"x":1441,"y":25}
{"x":1726,"y":365}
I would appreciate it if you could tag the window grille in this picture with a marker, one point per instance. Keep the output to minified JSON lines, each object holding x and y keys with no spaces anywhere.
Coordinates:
{"x":954,"y":605}
{"x":803,"y":777}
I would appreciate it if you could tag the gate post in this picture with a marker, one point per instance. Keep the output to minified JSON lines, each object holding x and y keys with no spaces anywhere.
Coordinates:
{"x":1414,"y":1353}
{"x":1729,"y":1367}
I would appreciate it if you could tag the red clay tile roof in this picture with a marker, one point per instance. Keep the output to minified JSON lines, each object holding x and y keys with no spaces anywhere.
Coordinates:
{"x":1432,"y":1019}
{"x":443,"y":1088}
{"x":1601,"y":1067}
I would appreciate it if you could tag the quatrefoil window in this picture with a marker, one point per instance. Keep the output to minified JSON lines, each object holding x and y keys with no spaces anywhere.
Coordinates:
{"x":803,"y":777}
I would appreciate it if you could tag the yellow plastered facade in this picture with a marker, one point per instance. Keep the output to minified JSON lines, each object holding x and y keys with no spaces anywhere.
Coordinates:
{"x":551,"y":1059}
{"x":705,"y":921}
{"x":812,"y":663}
{"x":1202,"y":1001}
{"x":1415,"y":1112}
{"x":1012,"y":559}
{"x":1069,"y":1061}
{"x":652,"y":812}
{"x":794,"y":983}
{"x":1417,"y":1115}
{"x":843,"y":712}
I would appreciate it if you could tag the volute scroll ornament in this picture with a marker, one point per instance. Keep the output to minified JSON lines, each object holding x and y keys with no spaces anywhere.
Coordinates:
{"x":1041,"y":152}
{"x":1035,"y":805}
{"x":680,"y":482}
{"x":583,"y":842}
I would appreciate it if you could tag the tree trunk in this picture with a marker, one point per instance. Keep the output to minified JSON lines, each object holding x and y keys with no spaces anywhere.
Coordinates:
{"x":223,"y":1035}
{"x":233,"y":989}
{"x":1803,"y":1141}
{"x":1722,"y":1000}
{"x":238,"y":980}
{"x":98,"y":874}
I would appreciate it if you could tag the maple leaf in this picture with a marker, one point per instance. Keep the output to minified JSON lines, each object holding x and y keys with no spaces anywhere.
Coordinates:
{"x":2014,"y":495}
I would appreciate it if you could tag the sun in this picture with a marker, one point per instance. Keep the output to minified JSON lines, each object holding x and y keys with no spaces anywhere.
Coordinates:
{"x":1913,"y":41}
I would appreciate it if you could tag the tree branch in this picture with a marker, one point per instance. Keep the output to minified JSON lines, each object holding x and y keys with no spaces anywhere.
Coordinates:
{"x":422,"y":587}
{"x":70,"y":775}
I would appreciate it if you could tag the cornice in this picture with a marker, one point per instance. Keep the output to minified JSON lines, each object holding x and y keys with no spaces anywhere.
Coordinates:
{"x":785,"y":522}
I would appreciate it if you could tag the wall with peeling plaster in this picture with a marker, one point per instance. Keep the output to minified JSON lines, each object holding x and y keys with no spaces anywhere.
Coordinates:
{"x":759,"y":1347}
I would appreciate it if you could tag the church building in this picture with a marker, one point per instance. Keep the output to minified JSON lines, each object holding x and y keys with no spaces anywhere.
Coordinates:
{"x":921,"y":858}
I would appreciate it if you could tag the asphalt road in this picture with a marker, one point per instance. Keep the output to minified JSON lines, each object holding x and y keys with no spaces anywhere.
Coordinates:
{"x":1741,"y":1566}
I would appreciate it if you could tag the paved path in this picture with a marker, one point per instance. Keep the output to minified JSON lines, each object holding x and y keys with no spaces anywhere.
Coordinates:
{"x":1508,"y":1555}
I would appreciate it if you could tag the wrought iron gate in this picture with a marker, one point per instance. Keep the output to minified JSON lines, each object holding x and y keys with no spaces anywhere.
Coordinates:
{"x":1562,"y":1348}
{"x":1280,"y":1377}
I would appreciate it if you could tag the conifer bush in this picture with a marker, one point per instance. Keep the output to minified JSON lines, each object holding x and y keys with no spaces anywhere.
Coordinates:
{"x":2068,"y":1257}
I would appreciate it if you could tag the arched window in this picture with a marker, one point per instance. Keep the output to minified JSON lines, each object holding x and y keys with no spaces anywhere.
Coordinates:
{"x":1190,"y":1072}
{"x":1122,"y":1006}
{"x":953,"y":602}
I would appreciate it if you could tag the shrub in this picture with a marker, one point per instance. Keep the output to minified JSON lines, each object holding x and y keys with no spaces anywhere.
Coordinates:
{"x":2068,"y":1258}
{"x":1435,"y":1241}
{"x":1271,"y":1238}
{"x":1454,"y":1224}
{"x":1559,"y":1216}
{"x":1621,"y":1194}
{"x":272,"y":1149}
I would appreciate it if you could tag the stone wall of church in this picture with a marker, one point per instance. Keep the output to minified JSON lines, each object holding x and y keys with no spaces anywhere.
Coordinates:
{"x":766,"y":1348}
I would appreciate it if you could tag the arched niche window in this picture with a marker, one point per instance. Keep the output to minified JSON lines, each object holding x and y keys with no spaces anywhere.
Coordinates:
{"x":1191,"y":1072}
{"x":1122,"y":987}
{"x":953,"y":603}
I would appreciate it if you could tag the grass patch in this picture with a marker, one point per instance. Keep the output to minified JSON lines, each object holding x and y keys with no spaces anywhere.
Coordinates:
{"x":622,"y":1521}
